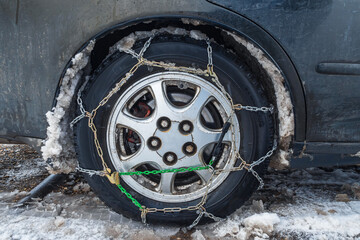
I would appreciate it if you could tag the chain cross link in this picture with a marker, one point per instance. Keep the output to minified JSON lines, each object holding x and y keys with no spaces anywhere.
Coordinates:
{"x":80,"y":104}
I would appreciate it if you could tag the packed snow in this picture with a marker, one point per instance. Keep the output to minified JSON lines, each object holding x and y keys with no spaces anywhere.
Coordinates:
{"x":312,"y":203}
{"x":283,"y":103}
{"x":58,"y":149}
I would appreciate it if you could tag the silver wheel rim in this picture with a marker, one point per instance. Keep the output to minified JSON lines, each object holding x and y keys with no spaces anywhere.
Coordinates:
{"x":171,"y":151}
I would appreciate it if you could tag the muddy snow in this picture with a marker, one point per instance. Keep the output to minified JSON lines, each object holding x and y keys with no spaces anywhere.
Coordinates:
{"x":59,"y":144}
{"x":315,"y":203}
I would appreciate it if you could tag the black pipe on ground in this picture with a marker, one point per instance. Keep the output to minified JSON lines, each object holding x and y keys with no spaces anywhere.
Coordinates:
{"x":48,"y":185}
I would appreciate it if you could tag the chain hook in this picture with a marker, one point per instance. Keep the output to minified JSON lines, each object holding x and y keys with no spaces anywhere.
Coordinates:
{"x":237,"y":107}
{"x":144,"y":212}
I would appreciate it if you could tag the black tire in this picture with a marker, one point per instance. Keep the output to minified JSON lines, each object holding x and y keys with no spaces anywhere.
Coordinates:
{"x":256,"y":128}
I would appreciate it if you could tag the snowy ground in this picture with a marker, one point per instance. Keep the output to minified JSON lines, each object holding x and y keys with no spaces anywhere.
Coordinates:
{"x":296,"y":204}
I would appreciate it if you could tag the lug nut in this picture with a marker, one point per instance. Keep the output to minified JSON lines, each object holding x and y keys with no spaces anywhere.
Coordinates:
{"x":186,"y":127}
{"x":154,"y":143}
{"x":163,"y":124}
{"x":189,"y":148}
{"x":170,"y":158}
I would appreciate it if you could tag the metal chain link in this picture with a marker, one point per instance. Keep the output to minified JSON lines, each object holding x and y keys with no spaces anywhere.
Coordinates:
{"x":174,"y":170}
{"x":254,"y":109}
{"x":80,"y":104}
{"x":145,"y":47}
{"x":209,"y":52}
{"x":263,"y":158}
{"x":90,"y":172}
{"x":200,"y":213}
{"x":115,"y":179}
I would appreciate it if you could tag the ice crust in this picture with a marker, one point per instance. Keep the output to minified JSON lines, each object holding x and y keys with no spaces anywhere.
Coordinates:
{"x":128,"y":42}
{"x":312,"y":213}
{"x":191,"y":21}
{"x":58,"y":149}
{"x":261,"y":223}
{"x":197,"y":235}
{"x":259,"y":226}
{"x":283,"y":103}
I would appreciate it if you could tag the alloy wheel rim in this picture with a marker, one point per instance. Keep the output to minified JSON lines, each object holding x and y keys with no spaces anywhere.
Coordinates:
{"x":170,"y":135}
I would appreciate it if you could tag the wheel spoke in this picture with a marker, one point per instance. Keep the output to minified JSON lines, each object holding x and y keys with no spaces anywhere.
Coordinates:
{"x":144,"y":127}
{"x":167,"y":183}
{"x":193,"y":110}
{"x":205,"y":175}
{"x":144,"y":155}
{"x":204,"y":136}
{"x":163,"y":105}
{"x":191,"y":161}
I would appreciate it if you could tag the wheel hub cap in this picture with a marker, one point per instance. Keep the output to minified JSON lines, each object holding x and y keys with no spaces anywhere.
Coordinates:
{"x":172,"y":140}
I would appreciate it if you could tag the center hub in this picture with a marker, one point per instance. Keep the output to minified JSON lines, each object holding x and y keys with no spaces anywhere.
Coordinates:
{"x":172,"y":140}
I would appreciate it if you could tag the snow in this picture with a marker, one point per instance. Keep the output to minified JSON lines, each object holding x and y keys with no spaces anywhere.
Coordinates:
{"x":261,"y":223}
{"x":59,"y":221}
{"x":6,"y":196}
{"x":191,"y":21}
{"x":306,"y":208}
{"x":355,"y":188}
{"x":296,"y":204}
{"x":197,"y":235}
{"x":81,"y":187}
{"x":27,"y":227}
{"x":58,"y":146}
{"x":257,"y":206}
{"x":128,"y":42}
{"x":26,"y":170}
{"x":336,"y":224}
{"x":283,"y":102}
{"x":197,"y":35}
{"x":281,"y":159}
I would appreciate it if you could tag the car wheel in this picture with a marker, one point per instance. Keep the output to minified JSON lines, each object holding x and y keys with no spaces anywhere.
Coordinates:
{"x":166,"y":119}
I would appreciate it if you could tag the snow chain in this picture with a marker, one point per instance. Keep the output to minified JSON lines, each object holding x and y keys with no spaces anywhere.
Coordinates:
{"x":114,"y":177}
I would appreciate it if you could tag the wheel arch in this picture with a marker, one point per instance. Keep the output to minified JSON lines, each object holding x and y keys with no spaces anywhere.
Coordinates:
{"x":248,"y":29}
